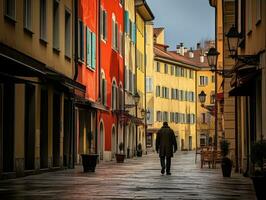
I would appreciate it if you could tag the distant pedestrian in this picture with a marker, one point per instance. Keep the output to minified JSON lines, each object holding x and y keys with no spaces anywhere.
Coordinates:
{"x":165,"y":146}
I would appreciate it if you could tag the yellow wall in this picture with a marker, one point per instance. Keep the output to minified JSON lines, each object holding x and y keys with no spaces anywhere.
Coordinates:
{"x":183,"y":131}
{"x":209,"y":89}
{"x":16,"y":37}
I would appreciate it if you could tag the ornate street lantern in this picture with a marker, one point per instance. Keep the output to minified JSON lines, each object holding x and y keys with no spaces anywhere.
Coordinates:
{"x":148,"y":114}
{"x":202,"y":97}
{"x":233,"y":40}
{"x":212,"y":57}
{"x":136,"y":98}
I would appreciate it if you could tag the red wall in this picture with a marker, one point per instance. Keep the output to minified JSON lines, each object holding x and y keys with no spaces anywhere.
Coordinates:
{"x":88,"y":11}
{"x":112,"y":64}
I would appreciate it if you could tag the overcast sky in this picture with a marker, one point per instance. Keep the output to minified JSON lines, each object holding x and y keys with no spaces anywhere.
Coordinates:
{"x":187,"y":21}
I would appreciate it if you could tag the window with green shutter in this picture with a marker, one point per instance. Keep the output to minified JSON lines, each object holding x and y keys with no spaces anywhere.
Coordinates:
{"x":88,"y":47}
{"x":93,"y":64}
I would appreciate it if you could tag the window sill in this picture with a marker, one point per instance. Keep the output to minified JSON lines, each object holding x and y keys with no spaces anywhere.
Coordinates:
{"x":91,"y":69}
{"x":43,"y":41}
{"x":28,"y":31}
{"x":68,"y":58}
{"x":81,"y":61}
{"x":103,"y":40}
{"x":258,"y":22}
{"x":56,"y":50}
{"x":10,"y":19}
{"x":249,"y":32}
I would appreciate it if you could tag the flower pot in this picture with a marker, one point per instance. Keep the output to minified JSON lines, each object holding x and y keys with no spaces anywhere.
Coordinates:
{"x":226,"y":167}
{"x":120,"y":158}
{"x":259,"y":183}
{"x":89,"y":162}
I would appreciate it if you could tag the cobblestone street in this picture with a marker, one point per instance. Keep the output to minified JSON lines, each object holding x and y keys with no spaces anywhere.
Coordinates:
{"x":138,"y":178}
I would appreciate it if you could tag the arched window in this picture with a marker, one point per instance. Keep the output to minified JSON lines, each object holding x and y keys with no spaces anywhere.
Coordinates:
{"x":121,"y":97}
{"x":103,"y":89}
{"x":114,"y":95}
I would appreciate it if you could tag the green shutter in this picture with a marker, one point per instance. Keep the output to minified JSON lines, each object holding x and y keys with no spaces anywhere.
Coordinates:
{"x":88,"y":46}
{"x":126,"y":21}
{"x":93,"y":57}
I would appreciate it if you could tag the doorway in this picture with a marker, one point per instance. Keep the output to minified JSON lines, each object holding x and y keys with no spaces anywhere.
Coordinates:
{"x":29,"y":133}
{"x":113,"y":142}
{"x":56,"y":129}
{"x":190,"y":143}
{"x":44,"y":130}
{"x":8,"y":126}
{"x":101,"y":146}
{"x":67,"y":133}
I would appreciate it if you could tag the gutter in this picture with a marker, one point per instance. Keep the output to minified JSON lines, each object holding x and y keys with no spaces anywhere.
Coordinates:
{"x":76,"y":39}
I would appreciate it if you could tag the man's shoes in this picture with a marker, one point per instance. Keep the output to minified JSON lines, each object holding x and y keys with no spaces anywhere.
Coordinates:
{"x":162,"y":171}
{"x":168,"y":173}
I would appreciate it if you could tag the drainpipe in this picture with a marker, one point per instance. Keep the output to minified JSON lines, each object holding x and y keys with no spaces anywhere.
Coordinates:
{"x":136,"y":78}
{"x":99,"y":49}
{"x":124,"y":62}
{"x":145,"y":95}
{"x":76,"y":39}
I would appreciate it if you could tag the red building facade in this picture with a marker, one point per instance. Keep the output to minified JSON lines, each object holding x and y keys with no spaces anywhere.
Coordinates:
{"x":112,"y":77}
{"x":88,"y":74}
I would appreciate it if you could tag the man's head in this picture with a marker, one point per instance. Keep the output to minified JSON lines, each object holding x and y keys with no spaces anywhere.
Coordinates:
{"x":165,"y":124}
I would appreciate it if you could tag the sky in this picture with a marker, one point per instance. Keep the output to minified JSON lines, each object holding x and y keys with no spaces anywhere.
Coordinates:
{"x":187,"y":21}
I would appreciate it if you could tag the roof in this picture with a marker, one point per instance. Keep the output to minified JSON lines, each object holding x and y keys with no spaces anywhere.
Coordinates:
{"x":157,"y":31}
{"x":160,"y":51}
{"x":144,"y":10}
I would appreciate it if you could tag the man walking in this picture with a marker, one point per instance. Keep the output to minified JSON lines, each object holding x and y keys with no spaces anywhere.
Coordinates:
{"x":165,"y":143}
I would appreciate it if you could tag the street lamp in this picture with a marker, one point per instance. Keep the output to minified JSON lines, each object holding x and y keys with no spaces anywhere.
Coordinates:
{"x":145,"y":112}
{"x":136,"y":98}
{"x":212,"y":57}
{"x":202,"y":97}
{"x":233,"y":40}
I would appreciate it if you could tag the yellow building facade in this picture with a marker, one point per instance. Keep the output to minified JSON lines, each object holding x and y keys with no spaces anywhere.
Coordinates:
{"x":143,"y":16}
{"x":37,"y":70}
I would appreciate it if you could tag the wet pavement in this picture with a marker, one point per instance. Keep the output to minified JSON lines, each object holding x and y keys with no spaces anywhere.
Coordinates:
{"x":137,"y":178}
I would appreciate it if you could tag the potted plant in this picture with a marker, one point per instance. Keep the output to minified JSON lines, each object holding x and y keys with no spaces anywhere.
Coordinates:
{"x":226,"y":163}
{"x":89,"y":160}
{"x":258,"y":156}
{"x":139,"y":150}
{"x":120,"y":157}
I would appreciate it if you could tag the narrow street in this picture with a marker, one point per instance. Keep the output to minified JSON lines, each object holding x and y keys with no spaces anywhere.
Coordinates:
{"x":137,"y":178}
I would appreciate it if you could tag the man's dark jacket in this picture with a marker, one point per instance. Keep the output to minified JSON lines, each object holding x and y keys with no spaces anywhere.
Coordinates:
{"x":166,"y":141}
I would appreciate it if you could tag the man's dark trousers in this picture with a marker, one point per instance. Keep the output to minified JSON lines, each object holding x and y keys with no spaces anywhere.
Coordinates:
{"x":168,"y":163}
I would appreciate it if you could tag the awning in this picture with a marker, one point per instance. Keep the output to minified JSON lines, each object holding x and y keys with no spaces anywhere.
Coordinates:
{"x":220,"y":96}
{"x":18,"y":67}
{"x":242,"y":82}
{"x":125,"y":118}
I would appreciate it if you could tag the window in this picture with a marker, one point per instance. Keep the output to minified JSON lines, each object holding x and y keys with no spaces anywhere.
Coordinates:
{"x":10,"y":8}
{"x":103,"y":90}
{"x":172,"y":70}
{"x":158,"y":91}
{"x":212,"y":98}
{"x":43,"y":20}
{"x":27,"y":14}
{"x":172,"y":117}
{"x":81,"y":41}
{"x":165,"y":68}
{"x":126,"y":78}
{"x":130,"y":80}
{"x":203,"y":118}
{"x":177,"y":71}
{"x":191,"y":74}
{"x":213,"y":78}
{"x":116,"y":36}
{"x":258,"y":11}
{"x":157,"y":67}
{"x":181,"y":95}
{"x":203,"y":80}
{"x":67,"y":33}
{"x":91,"y":48}
{"x":56,"y":25}
{"x":177,"y":94}
{"x":177,"y":118}
{"x":159,"y":116}
{"x":113,"y":32}
{"x":121,"y":43}
{"x":165,"y":92}
{"x":103,"y":25}
{"x":182,"y":72}
{"x":165,"y":116}
{"x":114,"y":95}
{"x":126,"y":22}
{"x":149,"y":87}
{"x":173,"y":93}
